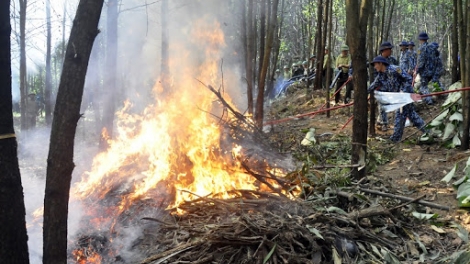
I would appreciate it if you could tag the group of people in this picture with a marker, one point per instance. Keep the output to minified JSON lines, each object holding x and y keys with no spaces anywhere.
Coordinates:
{"x":398,"y":76}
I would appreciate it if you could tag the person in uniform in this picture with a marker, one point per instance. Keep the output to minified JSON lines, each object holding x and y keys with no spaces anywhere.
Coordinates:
{"x":328,"y":65}
{"x":439,"y":68}
{"x":287,"y":73}
{"x":391,"y":78}
{"x":425,"y":66}
{"x":412,"y":58}
{"x":404,"y":57}
{"x":385,"y":50}
{"x":343,"y":63}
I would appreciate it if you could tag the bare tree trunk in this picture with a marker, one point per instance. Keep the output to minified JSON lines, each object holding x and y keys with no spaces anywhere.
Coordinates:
{"x":357,"y":16}
{"x":329,"y":73}
{"x":455,"y":45}
{"x":259,"y":114}
{"x":23,"y":81}
{"x":48,"y":88}
{"x":390,"y":15}
{"x":250,"y":47}
{"x":165,"y":67}
{"x":64,"y":124}
{"x":371,"y":44}
{"x":262,"y":34}
{"x":466,"y":76}
{"x":110,"y":72}
{"x":13,"y":237}
{"x":318,"y":45}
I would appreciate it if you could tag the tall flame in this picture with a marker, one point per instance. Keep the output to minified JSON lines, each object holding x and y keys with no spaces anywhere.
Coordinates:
{"x":175,"y":143}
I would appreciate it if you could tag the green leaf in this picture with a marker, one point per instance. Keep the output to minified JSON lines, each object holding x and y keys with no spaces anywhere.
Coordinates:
{"x":456,"y":140}
{"x":450,"y":175}
{"x":315,"y":231}
{"x":269,"y":254}
{"x":463,"y":194}
{"x":463,"y":258}
{"x":336,"y":258}
{"x":334,"y":209}
{"x":448,"y":131}
{"x":422,"y":216}
{"x":457,"y":183}
{"x":456,"y":116}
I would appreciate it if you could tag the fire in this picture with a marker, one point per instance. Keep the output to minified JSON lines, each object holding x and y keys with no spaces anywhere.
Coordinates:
{"x":174,"y":145}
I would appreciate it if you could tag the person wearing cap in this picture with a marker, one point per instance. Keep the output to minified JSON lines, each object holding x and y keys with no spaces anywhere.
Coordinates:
{"x":385,"y":50}
{"x":391,"y":78}
{"x":412,"y":58}
{"x":328,"y":65}
{"x":343,"y":63}
{"x":287,"y":73}
{"x":438,"y":66}
{"x":404,"y":56}
{"x":298,"y":70}
{"x":424,"y":66}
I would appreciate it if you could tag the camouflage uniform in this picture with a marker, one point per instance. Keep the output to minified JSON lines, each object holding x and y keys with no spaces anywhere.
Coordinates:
{"x":439,"y":69}
{"x":394,"y":79}
{"x":404,"y":57}
{"x":383,"y":118}
{"x":425,"y":66}
{"x":412,"y":58}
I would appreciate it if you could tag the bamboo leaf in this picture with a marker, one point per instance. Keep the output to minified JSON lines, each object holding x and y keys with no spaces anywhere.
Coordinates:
{"x":450,"y":175}
{"x":269,"y":254}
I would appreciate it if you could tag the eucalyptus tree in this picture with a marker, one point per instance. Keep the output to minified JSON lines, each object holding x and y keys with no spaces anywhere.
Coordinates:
{"x":64,"y":124}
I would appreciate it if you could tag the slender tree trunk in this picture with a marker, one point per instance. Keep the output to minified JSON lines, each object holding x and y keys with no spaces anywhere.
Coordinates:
{"x":250,"y":47}
{"x":454,"y":45}
{"x":48,"y":88}
{"x":262,"y":34}
{"x":329,"y":73}
{"x":357,"y":15}
{"x":23,"y":77}
{"x":110,"y":72}
{"x":371,"y":44}
{"x":13,"y":237}
{"x":466,"y":77}
{"x":64,"y":124}
{"x":318,"y":45}
{"x":165,"y":67}
{"x":259,"y":114}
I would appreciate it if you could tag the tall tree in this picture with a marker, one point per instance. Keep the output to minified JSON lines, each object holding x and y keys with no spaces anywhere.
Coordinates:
{"x":357,"y":15}
{"x":250,"y":55}
{"x":23,"y":83}
{"x":48,"y":88}
{"x":464,"y":66}
{"x":13,"y":237}
{"x":165,"y":67}
{"x":110,"y":70}
{"x":454,"y":45}
{"x":259,"y":114}
{"x":64,"y":125}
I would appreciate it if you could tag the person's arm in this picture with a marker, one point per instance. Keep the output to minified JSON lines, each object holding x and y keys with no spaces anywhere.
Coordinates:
{"x":374,"y":85}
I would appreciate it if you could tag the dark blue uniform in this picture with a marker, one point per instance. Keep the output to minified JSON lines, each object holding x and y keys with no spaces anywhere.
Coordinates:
{"x":425,"y":69}
{"x":394,"y":79}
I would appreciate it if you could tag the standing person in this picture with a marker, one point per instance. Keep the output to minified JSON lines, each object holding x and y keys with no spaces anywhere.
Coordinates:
{"x":439,"y":69}
{"x":343,"y":63}
{"x":425,"y":67}
{"x":404,"y":56}
{"x":391,"y":78}
{"x":413,"y":57}
{"x":385,"y":51}
{"x":328,"y":65}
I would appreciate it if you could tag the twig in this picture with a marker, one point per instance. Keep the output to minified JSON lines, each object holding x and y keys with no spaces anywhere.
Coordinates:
{"x":407,"y":203}
{"x":404,"y":198}
{"x":172,"y":251}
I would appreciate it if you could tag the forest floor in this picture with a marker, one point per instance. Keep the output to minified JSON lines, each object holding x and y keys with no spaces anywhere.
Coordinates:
{"x":412,"y":169}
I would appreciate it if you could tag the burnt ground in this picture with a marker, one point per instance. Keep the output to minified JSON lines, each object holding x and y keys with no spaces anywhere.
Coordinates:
{"x":413,"y":169}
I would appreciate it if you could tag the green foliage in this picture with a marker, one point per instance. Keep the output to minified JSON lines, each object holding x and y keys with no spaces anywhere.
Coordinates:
{"x":462,"y":185}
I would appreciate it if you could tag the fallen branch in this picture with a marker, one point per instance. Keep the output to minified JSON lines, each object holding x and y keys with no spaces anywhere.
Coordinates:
{"x":408,"y":199}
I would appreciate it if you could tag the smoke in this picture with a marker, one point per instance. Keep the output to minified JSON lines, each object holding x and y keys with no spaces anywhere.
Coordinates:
{"x":193,"y":25}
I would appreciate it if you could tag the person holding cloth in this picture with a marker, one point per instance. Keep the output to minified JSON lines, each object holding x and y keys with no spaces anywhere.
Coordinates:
{"x":391,"y":78}
{"x":343,"y":63}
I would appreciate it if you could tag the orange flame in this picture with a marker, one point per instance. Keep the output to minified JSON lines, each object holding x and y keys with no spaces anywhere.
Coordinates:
{"x":175,"y":142}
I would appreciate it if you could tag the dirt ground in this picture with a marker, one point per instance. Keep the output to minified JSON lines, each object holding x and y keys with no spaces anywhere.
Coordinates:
{"x":414,"y":170}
